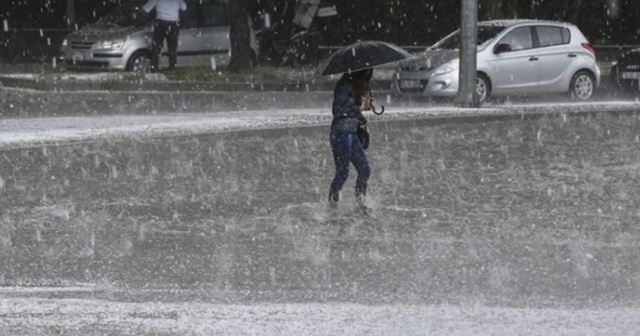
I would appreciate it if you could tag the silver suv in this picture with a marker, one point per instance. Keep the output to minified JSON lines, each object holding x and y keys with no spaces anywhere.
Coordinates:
{"x":121,"y":40}
{"x":514,"y":57}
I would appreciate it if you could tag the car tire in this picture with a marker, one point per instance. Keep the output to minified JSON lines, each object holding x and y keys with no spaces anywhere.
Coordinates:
{"x":139,"y":62}
{"x":483,"y":88}
{"x":582,"y":86}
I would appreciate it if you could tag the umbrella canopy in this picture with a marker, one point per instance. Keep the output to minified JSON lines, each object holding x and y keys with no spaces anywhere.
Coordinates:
{"x":362,"y":55}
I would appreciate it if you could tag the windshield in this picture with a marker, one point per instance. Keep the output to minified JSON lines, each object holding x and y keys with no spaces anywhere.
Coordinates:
{"x":485,"y":35}
{"x":126,"y":15}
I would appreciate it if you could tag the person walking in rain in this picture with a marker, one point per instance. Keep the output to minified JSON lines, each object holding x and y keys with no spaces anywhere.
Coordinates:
{"x":349,"y":100}
{"x":165,"y":27}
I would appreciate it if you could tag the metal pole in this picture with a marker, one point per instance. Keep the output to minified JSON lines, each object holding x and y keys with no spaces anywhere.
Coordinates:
{"x":466,"y":96}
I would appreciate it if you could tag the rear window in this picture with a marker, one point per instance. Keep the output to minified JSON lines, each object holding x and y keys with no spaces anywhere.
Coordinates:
{"x":550,"y":35}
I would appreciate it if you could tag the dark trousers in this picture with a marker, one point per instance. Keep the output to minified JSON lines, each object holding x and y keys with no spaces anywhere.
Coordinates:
{"x":347,"y":148}
{"x":162,"y":30}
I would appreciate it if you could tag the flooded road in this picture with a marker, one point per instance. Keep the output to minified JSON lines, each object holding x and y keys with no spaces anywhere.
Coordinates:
{"x":503,"y":222}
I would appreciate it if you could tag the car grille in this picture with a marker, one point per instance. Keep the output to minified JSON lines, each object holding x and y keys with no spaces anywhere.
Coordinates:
{"x":80,"y":44}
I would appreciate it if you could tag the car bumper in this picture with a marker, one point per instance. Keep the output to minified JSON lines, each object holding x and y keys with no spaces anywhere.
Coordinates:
{"x":445,"y":85}
{"x":94,"y":59}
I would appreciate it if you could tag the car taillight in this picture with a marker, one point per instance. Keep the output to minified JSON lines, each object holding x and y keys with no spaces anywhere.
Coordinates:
{"x":589,"y":47}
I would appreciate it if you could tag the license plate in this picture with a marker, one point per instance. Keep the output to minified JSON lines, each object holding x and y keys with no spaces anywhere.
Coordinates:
{"x":409,"y":84}
{"x":630,"y":75}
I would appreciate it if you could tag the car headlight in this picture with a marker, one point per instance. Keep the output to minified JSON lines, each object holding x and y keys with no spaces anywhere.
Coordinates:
{"x":111,"y":44}
{"x":448,"y":67}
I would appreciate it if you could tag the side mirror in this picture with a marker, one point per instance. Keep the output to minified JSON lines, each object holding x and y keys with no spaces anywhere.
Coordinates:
{"x":501,"y":47}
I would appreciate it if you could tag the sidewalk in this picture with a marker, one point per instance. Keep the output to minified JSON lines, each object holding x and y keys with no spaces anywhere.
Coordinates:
{"x":53,"y":130}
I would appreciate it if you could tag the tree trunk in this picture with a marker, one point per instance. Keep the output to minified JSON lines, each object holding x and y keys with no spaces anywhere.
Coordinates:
{"x":240,"y":34}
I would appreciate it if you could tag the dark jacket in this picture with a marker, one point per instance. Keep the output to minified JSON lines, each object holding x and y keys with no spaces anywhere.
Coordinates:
{"x":346,"y":108}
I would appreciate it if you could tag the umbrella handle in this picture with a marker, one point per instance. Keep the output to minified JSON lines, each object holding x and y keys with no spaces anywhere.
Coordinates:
{"x":373,"y":109}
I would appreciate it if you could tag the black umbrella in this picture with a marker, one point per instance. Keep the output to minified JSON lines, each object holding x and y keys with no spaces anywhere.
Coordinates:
{"x":362,"y":55}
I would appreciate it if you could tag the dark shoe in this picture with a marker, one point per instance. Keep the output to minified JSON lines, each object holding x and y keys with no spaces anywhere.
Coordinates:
{"x":333,"y":212}
{"x":334,"y":198}
{"x":362,"y":206}
{"x":365,"y":210}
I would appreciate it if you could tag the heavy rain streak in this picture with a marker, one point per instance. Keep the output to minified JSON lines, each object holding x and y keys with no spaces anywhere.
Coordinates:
{"x":319,"y":167}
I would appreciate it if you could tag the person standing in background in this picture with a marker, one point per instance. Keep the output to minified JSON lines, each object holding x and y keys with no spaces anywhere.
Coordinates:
{"x":165,"y":27}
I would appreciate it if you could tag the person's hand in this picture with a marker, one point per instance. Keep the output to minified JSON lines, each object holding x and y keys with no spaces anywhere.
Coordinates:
{"x":368,"y":104}
{"x":372,"y":103}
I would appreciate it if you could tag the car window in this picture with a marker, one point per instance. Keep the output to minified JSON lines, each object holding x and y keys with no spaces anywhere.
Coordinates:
{"x":518,"y":39}
{"x":550,"y":35}
{"x":214,"y":15}
{"x":485,"y":34}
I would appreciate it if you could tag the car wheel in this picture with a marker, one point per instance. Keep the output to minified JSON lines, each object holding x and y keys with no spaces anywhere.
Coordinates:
{"x":582,"y":85}
{"x":483,"y":88}
{"x":139,"y":62}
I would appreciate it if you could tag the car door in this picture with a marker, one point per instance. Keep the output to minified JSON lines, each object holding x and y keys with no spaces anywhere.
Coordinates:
{"x":215,"y":43}
{"x":190,"y":35}
{"x":515,"y":70}
{"x":555,"y":55}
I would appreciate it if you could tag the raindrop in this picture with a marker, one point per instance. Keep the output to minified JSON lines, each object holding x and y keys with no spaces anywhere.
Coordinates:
{"x":213,"y":63}
{"x":5,"y":24}
{"x":48,"y":41}
{"x":54,"y":62}
{"x":267,"y":20}
{"x":41,"y":33}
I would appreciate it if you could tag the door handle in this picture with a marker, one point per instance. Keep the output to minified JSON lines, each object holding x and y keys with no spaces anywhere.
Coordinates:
{"x":533,"y":58}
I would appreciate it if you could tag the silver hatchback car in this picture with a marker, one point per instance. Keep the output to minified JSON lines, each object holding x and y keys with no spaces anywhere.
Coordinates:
{"x":122,"y":41}
{"x":514,"y":57}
